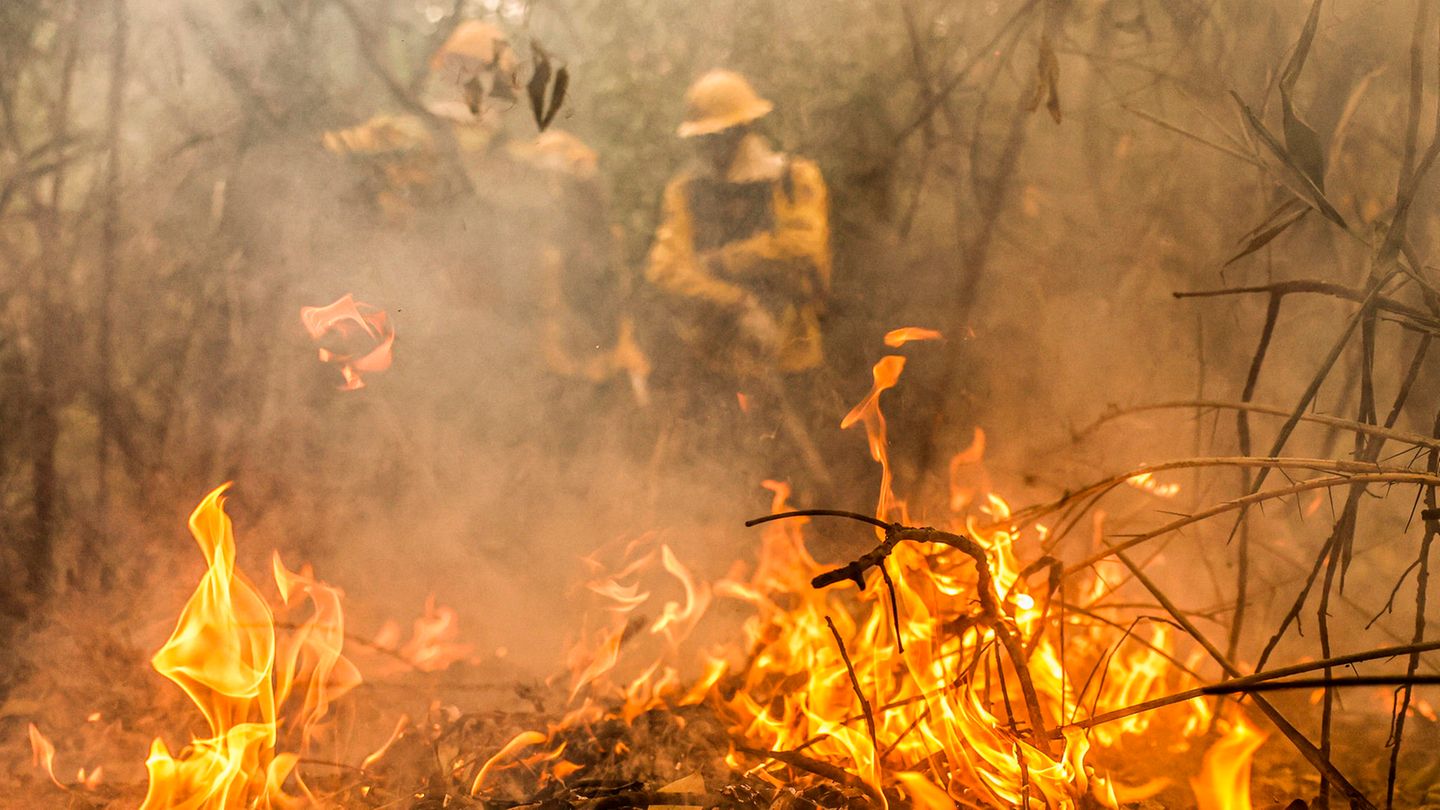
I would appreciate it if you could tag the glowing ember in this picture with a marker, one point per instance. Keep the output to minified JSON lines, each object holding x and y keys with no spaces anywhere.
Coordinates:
{"x":362,"y":337}
{"x":225,"y":655}
{"x":1147,"y":483}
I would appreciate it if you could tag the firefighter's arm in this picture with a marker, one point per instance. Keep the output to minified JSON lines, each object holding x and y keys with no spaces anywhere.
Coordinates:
{"x":798,"y":247}
{"x":673,"y":266}
{"x":383,"y":134}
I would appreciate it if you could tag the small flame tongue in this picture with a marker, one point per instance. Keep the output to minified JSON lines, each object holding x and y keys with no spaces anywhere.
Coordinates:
{"x":43,"y":752}
{"x":1224,"y":780}
{"x":896,"y":338}
{"x":867,"y":412}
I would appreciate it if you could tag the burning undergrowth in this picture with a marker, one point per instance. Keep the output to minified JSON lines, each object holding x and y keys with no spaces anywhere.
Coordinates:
{"x":959,"y":666}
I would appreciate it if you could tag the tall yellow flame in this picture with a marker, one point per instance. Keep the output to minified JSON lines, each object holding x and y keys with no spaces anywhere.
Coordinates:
{"x":1224,"y":780}
{"x":223,"y":654}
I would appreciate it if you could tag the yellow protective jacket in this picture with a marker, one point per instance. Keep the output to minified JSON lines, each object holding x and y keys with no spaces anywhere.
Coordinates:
{"x":712,"y":268}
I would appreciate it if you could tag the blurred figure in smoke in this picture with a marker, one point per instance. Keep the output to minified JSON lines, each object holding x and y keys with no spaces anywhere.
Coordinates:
{"x":587,"y":336}
{"x":416,"y":162}
{"x":742,"y":262}
{"x":516,"y":234}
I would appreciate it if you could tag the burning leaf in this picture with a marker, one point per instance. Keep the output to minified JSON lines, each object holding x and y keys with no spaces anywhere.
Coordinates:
{"x":363,"y":338}
{"x":1047,"y":80}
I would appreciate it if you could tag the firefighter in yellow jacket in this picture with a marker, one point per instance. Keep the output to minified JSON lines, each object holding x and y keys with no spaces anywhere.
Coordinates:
{"x":741,"y":256}
{"x":422,"y":162}
{"x":527,"y":215}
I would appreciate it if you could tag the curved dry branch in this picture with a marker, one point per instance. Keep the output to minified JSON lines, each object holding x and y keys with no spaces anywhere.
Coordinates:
{"x":1416,"y":439}
{"x":1099,"y":488}
{"x":1249,"y":500}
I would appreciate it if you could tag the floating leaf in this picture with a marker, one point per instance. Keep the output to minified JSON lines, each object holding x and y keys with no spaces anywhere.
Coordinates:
{"x":1288,"y":213}
{"x":475,"y":94}
{"x":539,"y":81}
{"x":557,"y":97}
{"x":1304,"y":146}
{"x":1303,"y":183}
{"x":1047,"y":81}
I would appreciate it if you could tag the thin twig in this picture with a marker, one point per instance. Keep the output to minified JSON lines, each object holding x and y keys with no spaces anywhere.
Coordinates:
{"x":1259,"y":677}
{"x":1422,"y":581}
{"x":815,"y":766}
{"x":1303,"y":745}
{"x":894,"y":608}
{"x":859,"y":692}
{"x":1418,"y":317}
{"x":1250,"y":500}
{"x":1323,"y":683}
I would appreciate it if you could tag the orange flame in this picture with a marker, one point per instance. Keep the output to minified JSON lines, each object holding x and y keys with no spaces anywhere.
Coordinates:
{"x":43,"y":754}
{"x":364,"y":331}
{"x":519,"y":742}
{"x":942,"y":729}
{"x":432,"y":646}
{"x":968,"y":477}
{"x":1224,"y":780}
{"x":225,"y":656}
{"x":886,"y":374}
{"x":896,"y":338}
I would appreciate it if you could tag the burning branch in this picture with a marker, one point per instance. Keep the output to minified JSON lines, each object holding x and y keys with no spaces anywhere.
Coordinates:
{"x":1307,"y":749}
{"x":855,"y":682}
{"x":991,"y":614}
{"x":1242,"y":684}
{"x":840,"y":776}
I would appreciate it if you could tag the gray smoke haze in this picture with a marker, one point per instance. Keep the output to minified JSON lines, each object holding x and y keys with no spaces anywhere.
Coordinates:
{"x":1047,"y":252}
